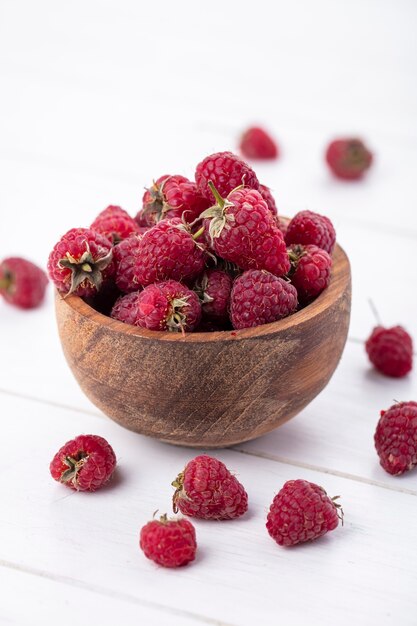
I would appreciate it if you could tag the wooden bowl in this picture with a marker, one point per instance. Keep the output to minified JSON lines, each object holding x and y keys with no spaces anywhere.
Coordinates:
{"x":211,"y":389}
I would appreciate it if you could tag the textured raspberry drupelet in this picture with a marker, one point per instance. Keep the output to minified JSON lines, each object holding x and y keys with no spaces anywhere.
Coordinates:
{"x":242,"y":229}
{"x":169,"y":542}
{"x":85,"y":463}
{"x":348,"y":158}
{"x":256,"y":143}
{"x":226,"y":171}
{"x":311,"y":228}
{"x":207,"y":490}
{"x":396,"y":438}
{"x":282,"y":225}
{"x":163,"y":306}
{"x":390,"y":350}
{"x":115,"y":223}
{"x":22,"y":283}
{"x":259,"y":297}
{"x":311,"y":267}
{"x":125,"y":255}
{"x":80,"y":261}
{"x":171,"y":196}
{"x":169,"y":251}
{"x":300,"y":512}
{"x":269,"y":198}
{"x":213,"y":288}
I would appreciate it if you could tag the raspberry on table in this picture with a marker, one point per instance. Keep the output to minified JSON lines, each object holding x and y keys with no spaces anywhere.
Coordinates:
{"x":80,"y":261}
{"x":396,"y":438}
{"x":85,"y":463}
{"x":308,"y":227}
{"x":125,"y":255}
{"x":390,"y":351}
{"x":207,"y":490}
{"x":310,"y":272}
{"x":213,"y":288}
{"x":171,"y":196}
{"x":22,"y":283}
{"x":302,"y":511}
{"x":256,"y":143}
{"x":348,"y":158}
{"x":259,"y":297}
{"x":114,"y":223}
{"x":167,"y":306}
{"x":169,"y":250}
{"x":226,"y":171}
{"x":169,"y":542}
{"x":266,"y":194}
{"x":241,"y":229}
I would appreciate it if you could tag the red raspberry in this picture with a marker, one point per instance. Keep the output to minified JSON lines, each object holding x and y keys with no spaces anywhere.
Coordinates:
{"x":282,"y":225}
{"x":163,"y":306}
{"x":171,"y":196}
{"x":269,"y":198}
{"x":301,"y":511}
{"x":311,"y":270}
{"x":85,"y":463}
{"x":390,"y":350}
{"x":259,"y":297}
{"x":226,"y":171}
{"x":311,"y":228}
{"x":207,"y":490}
{"x":256,"y":143}
{"x":213,"y":288}
{"x":22,"y":283}
{"x":396,"y":438}
{"x":242,"y":230}
{"x":169,"y":251}
{"x":348,"y":158}
{"x":80,"y":261}
{"x":169,"y":542}
{"x":115,"y":223}
{"x":125,"y":256}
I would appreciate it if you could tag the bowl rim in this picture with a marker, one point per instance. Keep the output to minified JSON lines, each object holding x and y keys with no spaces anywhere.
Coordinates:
{"x":339,"y":282}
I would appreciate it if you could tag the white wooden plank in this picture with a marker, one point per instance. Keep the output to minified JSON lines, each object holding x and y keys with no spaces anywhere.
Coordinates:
{"x":365,"y":572}
{"x":34,"y":597}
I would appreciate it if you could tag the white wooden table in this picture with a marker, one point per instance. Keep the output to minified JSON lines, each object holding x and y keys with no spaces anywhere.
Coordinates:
{"x":97,"y":99}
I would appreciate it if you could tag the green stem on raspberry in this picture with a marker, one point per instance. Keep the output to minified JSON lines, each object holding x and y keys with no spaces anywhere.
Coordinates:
{"x":198,"y":233}
{"x":220,"y":201}
{"x":5,"y":283}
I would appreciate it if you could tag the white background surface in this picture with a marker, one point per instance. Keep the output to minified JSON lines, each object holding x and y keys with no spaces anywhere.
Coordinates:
{"x":97,"y":99}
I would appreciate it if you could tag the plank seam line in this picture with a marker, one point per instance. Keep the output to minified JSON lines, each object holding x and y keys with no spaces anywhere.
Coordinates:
{"x":117,"y":595}
{"x":324,"y":470}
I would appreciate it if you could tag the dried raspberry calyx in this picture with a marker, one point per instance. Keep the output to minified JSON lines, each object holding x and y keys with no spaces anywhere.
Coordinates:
{"x":200,"y":288}
{"x":176,"y":319}
{"x":157,"y":205}
{"x":86,"y":268}
{"x":295,"y":253}
{"x":74,"y":466}
{"x":217,"y":213}
{"x":178,"y":484}
{"x":340,"y":512}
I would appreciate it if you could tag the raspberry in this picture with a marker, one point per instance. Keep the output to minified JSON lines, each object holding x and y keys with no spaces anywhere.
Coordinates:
{"x":396,"y":438}
{"x":207,"y":490}
{"x":256,"y":143}
{"x":169,"y":251}
{"x":226,"y":171}
{"x":22,"y":283}
{"x":213,"y":288}
{"x":242,"y":230}
{"x":163,"y":306}
{"x":259,"y":297}
{"x":115,"y":223}
{"x":390,"y":350}
{"x":300,"y":512}
{"x":80,"y":261}
{"x":169,"y":542}
{"x":348,"y":158}
{"x":171,"y":196}
{"x":311,"y":228}
{"x":85,"y":463}
{"x":282,"y":225}
{"x":311,"y":270}
{"x":125,"y":256}
{"x":269,"y":198}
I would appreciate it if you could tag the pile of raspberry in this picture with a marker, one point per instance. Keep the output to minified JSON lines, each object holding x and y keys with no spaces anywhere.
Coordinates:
{"x":208,"y":255}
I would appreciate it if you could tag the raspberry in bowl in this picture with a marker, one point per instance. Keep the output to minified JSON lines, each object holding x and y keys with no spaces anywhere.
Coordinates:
{"x":239,"y":348}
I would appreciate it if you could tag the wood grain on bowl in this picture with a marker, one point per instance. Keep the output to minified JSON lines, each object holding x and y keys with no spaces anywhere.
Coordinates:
{"x":207,"y":389}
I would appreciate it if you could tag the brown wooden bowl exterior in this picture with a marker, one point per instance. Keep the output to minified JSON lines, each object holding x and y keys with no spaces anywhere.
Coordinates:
{"x":207,"y":390}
